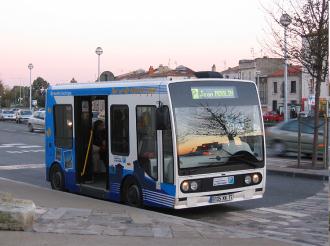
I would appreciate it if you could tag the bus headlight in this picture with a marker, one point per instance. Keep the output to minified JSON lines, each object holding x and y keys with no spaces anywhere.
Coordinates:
{"x":185,"y":186}
{"x":247,"y":179}
{"x":193,"y":185}
{"x":255,"y":178}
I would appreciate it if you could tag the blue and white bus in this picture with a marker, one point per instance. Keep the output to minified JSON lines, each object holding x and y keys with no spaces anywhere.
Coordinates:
{"x":174,"y":144}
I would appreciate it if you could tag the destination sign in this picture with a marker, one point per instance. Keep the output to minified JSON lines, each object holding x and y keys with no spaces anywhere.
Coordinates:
{"x":213,"y":92}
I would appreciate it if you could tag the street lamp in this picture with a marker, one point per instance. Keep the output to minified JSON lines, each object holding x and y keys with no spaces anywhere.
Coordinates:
{"x":99,"y":52}
{"x":30,"y":66}
{"x":285,"y":21}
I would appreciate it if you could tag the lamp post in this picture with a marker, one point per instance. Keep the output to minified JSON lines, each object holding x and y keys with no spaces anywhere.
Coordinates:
{"x":258,"y":78}
{"x":30,"y":66}
{"x":99,"y":52}
{"x":285,"y":21}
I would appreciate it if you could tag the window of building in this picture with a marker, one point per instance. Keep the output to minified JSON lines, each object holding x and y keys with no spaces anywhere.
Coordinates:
{"x":293,"y":87}
{"x":63,"y":126}
{"x":275,"y":87}
{"x":274,"y":105}
{"x":119,"y":121}
{"x":147,"y":139}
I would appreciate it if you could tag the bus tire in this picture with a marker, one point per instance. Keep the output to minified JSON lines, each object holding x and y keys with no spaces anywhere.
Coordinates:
{"x":56,"y":178}
{"x":132,"y":194}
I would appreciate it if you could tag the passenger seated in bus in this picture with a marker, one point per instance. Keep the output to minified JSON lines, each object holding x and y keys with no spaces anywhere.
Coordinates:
{"x":99,"y":146}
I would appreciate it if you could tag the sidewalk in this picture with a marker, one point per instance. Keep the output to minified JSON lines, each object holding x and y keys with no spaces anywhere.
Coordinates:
{"x":289,"y":166}
{"x":69,"y":219}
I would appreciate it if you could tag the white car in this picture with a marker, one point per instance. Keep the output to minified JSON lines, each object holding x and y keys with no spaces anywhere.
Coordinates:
{"x":23,"y":116}
{"x":8,"y":115}
{"x":37,"y":121}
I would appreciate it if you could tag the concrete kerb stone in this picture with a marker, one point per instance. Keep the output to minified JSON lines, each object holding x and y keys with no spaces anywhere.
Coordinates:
{"x":298,"y":173}
{"x":16,"y":214}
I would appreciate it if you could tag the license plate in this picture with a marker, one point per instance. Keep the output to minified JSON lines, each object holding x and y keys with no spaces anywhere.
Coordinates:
{"x":221,"y":198}
{"x":223,"y":180}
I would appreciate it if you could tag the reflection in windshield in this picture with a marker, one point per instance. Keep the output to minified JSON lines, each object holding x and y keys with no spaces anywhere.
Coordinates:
{"x":212,"y":135}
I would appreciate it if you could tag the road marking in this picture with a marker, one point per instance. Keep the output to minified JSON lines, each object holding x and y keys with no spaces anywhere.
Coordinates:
{"x":11,"y":145}
{"x":24,"y":151}
{"x":29,"y":146}
{"x":24,"y":166}
{"x":289,"y":213}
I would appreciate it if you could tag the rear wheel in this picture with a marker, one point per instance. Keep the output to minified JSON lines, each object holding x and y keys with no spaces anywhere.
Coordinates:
{"x":56,"y":178}
{"x":279,"y":148}
{"x":132,"y":194}
{"x":30,"y":128}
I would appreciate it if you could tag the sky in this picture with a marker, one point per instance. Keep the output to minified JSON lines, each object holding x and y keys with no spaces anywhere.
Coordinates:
{"x":60,"y":37}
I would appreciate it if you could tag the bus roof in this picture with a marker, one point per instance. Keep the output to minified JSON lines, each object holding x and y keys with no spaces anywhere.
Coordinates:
{"x":124,"y":83}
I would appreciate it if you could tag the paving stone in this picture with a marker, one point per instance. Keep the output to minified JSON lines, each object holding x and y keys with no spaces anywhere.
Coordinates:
{"x":110,"y":231}
{"x":71,"y":213}
{"x":162,"y":231}
{"x":54,"y":213}
{"x":139,"y":231}
{"x":186,"y":234}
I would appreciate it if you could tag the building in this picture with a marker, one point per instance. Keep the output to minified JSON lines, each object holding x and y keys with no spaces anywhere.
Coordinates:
{"x":275,"y":88}
{"x":256,"y":70}
{"x":231,"y":73}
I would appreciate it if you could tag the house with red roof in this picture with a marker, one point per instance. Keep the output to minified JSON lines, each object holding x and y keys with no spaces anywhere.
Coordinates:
{"x":275,"y":83}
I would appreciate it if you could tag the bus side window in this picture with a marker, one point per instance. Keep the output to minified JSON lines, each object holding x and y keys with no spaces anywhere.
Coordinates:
{"x":168,"y":161}
{"x":147,"y":139}
{"x":119,"y":130}
{"x":63,"y":126}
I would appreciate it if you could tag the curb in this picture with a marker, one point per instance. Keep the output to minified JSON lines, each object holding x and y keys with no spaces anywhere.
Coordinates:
{"x":297,"y":173}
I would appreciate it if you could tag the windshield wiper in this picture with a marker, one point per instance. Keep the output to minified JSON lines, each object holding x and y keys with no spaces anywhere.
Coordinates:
{"x":245,"y":157}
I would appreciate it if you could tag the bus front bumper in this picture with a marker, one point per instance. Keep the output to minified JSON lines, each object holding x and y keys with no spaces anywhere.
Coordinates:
{"x":214,"y":199}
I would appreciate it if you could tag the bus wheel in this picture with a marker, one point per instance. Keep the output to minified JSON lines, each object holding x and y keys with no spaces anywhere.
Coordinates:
{"x":132,"y":194}
{"x":56,"y":178}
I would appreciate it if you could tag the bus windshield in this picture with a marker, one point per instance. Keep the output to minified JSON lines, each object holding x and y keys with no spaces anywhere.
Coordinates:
{"x":217,"y":124}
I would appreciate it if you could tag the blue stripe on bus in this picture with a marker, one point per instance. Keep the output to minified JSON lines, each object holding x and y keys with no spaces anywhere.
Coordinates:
{"x":159,"y":198}
{"x":138,"y":90}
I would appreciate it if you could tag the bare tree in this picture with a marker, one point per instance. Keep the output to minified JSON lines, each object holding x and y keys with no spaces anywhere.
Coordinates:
{"x":222,"y":121}
{"x":307,"y":43}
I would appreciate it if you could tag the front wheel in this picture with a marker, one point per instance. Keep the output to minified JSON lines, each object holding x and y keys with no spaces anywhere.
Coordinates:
{"x":30,"y":128}
{"x":132,"y":194}
{"x":56,"y":178}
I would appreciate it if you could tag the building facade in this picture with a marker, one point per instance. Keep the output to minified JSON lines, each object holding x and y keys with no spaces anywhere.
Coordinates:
{"x":275,"y":87}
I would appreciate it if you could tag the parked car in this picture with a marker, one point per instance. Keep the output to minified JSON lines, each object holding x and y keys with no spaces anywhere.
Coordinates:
{"x":284,"y":137}
{"x":8,"y":115}
{"x":37,"y":121}
{"x":272,"y":116}
{"x":23,"y":116}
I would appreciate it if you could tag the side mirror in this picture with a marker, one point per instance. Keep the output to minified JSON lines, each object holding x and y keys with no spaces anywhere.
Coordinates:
{"x":163,"y":118}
